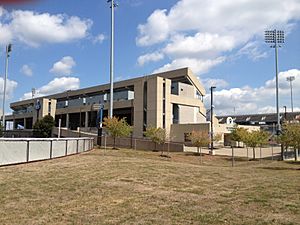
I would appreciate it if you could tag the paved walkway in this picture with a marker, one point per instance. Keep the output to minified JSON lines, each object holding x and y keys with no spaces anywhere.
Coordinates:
{"x":242,"y":152}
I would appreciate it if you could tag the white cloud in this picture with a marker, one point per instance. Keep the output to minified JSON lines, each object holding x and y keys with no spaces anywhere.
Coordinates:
{"x":252,"y":100}
{"x":33,"y":28}
{"x":253,"y":51}
{"x":10,"y":88}
{"x":243,"y":17}
{"x":155,"y":30}
{"x":151,"y":57}
{"x":209,"y":29}
{"x":55,"y":86}
{"x":26,"y":70}
{"x":99,"y":39}
{"x":199,"y":45}
{"x":63,"y":67}
{"x":220,"y":83}
{"x":197,"y":65}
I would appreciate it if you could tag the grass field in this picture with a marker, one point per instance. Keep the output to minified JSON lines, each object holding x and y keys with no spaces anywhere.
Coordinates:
{"x":136,"y":187}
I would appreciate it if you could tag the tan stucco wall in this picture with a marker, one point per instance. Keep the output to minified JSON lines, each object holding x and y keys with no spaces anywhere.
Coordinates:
{"x":178,"y":130}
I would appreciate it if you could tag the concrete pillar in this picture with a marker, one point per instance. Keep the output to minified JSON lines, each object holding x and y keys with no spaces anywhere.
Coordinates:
{"x":67,"y":120}
{"x":138,"y":109}
{"x":168,"y":108}
{"x":25,"y":125}
{"x":86,"y":123}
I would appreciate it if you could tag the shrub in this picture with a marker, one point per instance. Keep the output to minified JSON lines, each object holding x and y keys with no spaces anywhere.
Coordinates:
{"x":43,"y":128}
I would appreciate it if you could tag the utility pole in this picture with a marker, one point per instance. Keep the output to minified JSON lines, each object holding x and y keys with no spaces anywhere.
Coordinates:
{"x":112,"y":6}
{"x":275,"y":38}
{"x":291,"y":79}
{"x":212,"y":120}
{"x":8,"y":50}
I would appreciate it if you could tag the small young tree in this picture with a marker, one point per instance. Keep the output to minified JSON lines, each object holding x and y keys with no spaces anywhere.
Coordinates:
{"x":43,"y":128}
{"x":157,"y":135}
{"x":117,"y":128}
{"x":238,"y":134}
{"x":290,"y":136}
{"x":1,"y":130}
{"x":200,"y":139}
{"x":255,"y":138}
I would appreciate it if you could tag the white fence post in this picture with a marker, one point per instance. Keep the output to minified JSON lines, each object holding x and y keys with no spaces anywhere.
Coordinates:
{"x":51,"y":144}
{"x":27,"y":152}
{"x":66,"y":153}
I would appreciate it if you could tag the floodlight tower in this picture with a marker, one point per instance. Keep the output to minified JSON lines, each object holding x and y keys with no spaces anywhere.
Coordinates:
{"x":291,"y":79}
{"x":112,"y":6}
{"x":8,"y":50}
{"x":275,"y":38}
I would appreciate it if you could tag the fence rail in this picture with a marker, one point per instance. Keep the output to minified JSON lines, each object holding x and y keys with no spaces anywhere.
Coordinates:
{"x":23,"y":150}
{"x":141,"y":144}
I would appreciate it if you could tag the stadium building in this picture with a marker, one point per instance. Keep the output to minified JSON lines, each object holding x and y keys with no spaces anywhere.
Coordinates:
{"x":172,"y":100}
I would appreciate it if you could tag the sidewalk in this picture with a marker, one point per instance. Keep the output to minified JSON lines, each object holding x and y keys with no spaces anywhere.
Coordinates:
{"x":241,"y":152}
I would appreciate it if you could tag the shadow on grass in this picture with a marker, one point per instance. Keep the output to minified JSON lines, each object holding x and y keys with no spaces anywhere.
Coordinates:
{"x":194,"y":154}
{"x":293,"y":162}
{"x":165,"y":156}
{"x":279,"y":168}
{"x":238,"y":159}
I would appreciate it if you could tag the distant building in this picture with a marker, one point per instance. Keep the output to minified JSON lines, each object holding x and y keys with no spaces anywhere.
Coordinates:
{"x":266,"y":121}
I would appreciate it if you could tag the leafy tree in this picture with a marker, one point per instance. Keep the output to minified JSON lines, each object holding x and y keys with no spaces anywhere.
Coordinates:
{"x":290,"y":136}
{"x":255,"y":138}
{"x":117,"y":128}
{"x":157,"y":135}
{"x":200,"y":139}
{"x":1,"y":130}
{"x":217,"y":137}
{"x":238,"y":134}
{"x":43,"y":128}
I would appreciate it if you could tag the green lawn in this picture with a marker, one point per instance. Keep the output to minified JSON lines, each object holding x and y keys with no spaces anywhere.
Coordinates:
{"x":136,"y":187}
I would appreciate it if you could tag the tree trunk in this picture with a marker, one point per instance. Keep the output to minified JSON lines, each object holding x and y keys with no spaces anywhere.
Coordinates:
{"x":200,"y":155}
{"x":114,"y":142}
{"x":282,"y":152}
{"x":247,"y":153}
{"x":254,"y":154}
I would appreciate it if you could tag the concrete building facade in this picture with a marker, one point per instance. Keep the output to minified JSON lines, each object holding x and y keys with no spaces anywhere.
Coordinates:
{"x":166,"y":100}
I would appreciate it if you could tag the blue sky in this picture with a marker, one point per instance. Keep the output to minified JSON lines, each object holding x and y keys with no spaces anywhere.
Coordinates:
{"x":62,"y":44}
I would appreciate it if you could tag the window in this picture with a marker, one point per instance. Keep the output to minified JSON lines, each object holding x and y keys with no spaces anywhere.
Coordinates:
{"x":187,"y":137}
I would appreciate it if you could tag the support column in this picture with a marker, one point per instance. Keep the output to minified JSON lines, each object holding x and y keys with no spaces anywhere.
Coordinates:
{"x":138,"y":109}
{"x":86,"y":123}
{"x":67,"y":120}
{"x":25,"y":124}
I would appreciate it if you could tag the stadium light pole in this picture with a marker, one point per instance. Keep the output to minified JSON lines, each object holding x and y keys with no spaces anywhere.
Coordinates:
{"x":112,"y":6}
{"x":8,"y":50}
{"x":212,"y":120}
{"x":275,"y":38}
{"x":291,"y":79}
